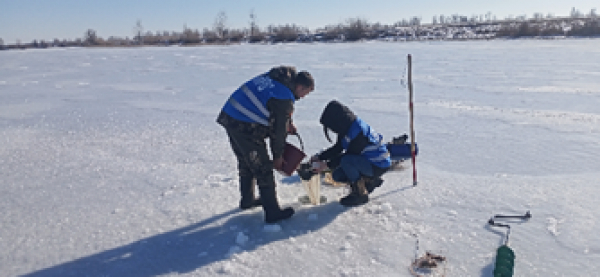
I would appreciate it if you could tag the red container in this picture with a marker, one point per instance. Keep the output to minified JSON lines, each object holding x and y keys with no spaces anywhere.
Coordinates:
{"x":292,"y":157}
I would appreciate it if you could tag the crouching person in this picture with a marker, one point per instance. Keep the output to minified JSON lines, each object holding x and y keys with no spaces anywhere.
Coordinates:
{"x":260,"y":109}
{"x":359,"y":156}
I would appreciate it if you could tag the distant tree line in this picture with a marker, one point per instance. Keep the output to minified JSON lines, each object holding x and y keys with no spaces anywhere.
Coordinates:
{"x":577,"y":25}
{"x":533,"y":29}
{"x":354,"y":29}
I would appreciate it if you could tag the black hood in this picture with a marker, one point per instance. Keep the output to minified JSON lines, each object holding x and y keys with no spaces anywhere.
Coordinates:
{"x":337,"y":117}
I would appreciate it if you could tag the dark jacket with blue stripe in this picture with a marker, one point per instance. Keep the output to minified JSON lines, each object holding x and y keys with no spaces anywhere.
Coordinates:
{"x":354,"y":137}
{"x":274,"y":96}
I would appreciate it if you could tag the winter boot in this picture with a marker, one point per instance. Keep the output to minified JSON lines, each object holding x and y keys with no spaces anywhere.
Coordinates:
{"x":358,"y":194}
{"x":372,"y":183}
{"x":248,"y":200}
{"x":273,"y":212}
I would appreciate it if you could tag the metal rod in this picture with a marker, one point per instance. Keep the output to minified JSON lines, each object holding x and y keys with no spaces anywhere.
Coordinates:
{"x":527,"y":215}
{"x":412,"y":127}
{"x":491,"y":222}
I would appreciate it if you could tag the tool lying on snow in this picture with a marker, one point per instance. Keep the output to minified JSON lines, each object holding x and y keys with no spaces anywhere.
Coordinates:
{"x":400,"y":150}
{"x":424,"y":265}
{"x":505,"y":257}
{"x":427,"y":265}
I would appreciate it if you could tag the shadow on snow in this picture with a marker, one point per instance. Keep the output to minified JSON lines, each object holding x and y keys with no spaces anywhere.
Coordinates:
{"x":190,"y":248}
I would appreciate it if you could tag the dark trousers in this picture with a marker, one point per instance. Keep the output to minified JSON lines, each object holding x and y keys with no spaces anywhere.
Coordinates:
{"x":254,"y":163}
{"x":253,"y":159}
{"x":350,"y":168}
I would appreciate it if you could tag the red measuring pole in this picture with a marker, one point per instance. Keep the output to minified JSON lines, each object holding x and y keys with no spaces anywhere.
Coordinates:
{"x":412,"y":125}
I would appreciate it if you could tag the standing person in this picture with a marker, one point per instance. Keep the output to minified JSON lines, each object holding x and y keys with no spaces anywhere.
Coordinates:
{"x":359,"y":156}
{"x":260,"y":109}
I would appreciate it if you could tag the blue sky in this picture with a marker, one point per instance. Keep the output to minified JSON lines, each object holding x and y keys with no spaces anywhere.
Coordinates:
{"x":26,"y":20}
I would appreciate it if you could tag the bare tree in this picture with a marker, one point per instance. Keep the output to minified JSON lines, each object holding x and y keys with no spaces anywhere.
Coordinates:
{"x":456,"y":18}
{"x":138,"y":32}
{"x":190,"y":36}
{"x":253,"y":26}
{"x":235,"y":35}
{"x":209,"y":36}
{"x":357,"y":28}
{"x":220,"y":25}
{"x":285,"y":33}
{"x":255,"y":35}
{"x":90,"y":37}
{"x":575,"y":13}
{"x":402,"y":22}
{"x":415,"y":21}
{"x":331,"y":32}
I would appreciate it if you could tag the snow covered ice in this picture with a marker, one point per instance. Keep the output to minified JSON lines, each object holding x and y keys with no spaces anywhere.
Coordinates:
{"x":111,"y":162}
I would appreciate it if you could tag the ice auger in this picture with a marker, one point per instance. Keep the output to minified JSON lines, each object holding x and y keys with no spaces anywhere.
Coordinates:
{"x":505,"y":256}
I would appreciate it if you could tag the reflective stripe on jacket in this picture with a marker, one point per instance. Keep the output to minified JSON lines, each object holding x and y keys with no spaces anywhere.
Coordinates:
{"x":249,"y":102}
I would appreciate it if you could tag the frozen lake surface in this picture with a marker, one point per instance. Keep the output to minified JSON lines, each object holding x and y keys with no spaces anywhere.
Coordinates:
{"x":111,"y":163}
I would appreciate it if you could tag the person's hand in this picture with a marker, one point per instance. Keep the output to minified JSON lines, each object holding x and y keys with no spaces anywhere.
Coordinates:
{"x":278,"y":163}
{"x":291,"y":129}
{"x":319,"y":166}
{"x":314,"y":158}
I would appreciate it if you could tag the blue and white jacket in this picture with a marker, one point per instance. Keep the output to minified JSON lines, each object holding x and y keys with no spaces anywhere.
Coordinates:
{"x":262,"y":107}
{"x":249,"y":102}
{"x":375,"y":151}
{"x":354,"y":137}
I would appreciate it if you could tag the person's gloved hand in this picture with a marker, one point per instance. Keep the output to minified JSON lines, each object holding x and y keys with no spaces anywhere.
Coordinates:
{"x":291,"y":129}
{"x":314,"y":158}
{"x":319,"y":166}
